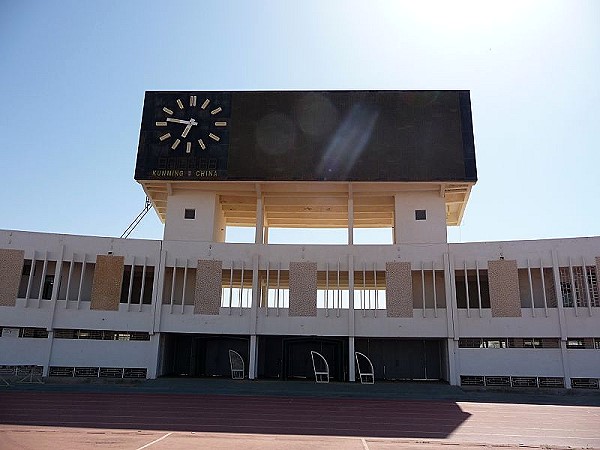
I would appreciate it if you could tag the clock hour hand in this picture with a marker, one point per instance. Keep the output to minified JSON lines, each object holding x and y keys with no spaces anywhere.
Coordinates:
{"x":188,"y":127}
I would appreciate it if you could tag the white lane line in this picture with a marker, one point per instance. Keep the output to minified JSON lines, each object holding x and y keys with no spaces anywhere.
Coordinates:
{"x":364,"y":443}
{"x":154,"y":441}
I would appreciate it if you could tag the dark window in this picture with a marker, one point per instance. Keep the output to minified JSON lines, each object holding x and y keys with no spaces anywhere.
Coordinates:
{"x":420,"y":214}
{"x":469,"y":343}
{"x":48,"y":285}
{"x":190,"y":214}
{"x":33,"y":333}
{"x":583,"y":343}
{"x":474,"y":289}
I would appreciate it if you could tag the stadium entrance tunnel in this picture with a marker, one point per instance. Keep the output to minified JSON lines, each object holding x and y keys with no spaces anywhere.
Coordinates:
{"x":289,"y":357}
{"x":405,"y":359}
{"x":200,"y":355}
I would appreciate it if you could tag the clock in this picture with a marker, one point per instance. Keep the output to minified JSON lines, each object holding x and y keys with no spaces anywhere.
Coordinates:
{"x":188,"y":124}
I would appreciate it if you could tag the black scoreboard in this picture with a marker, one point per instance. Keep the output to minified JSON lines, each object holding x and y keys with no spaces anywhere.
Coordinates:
{"x":307,"y":136}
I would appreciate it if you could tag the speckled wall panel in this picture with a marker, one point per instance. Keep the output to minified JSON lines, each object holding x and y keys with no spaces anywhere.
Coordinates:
{"x":503,"y":277}
{"x":11,"y":268}
{"x":303,"y":289}
{"x":108,"y":278}
{"x":398,"y":285}
{"x":207,"y":298}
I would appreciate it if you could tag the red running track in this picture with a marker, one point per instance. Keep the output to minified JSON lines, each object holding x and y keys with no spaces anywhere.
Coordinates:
{"x":445,"y":420}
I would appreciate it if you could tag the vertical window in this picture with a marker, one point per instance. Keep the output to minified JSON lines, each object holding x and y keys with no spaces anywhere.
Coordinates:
{"x":48,"y":286}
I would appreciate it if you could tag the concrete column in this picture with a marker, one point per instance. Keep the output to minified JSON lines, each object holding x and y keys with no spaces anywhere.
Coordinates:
{"x":157,"y":283}
{"x":254,"y":316}
{"x":350,"y":216}
{"x":351,"y":362}
{"x":564,"y":356}
{"x":55,"y":288}
{"x":397,"y":217}
{"x":453,"y":362}
{"x":452,"y":321}
{"x":252,"y":354}
{"x":258,"y":233}
{"x":256,"y":291}
{"x":153,"y":371}
{"x":50,"y":343}
{"x":54,"y":298}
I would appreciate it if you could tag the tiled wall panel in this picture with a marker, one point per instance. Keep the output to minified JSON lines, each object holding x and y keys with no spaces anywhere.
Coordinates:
{"x":303,"y":289}
{"x":108,"y":279}
{"x":398,"y":296}
{"x":11,"y":268}
{"x":503,"y":278}
{"x":207,"y":298}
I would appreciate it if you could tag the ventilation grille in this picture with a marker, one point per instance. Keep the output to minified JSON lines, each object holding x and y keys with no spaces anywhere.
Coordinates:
{"x":519,"y":382}
{"x":551,"y":382}
{"x":98,"y":372}
{"x":469,"y":380}
{"x":524,"y":381}
{"x":497,"y":381}
{"x":61,"y":371}
{"x":111,"y":372}
{"x":135,"y":372}
{"x":584,"y":383}
{"x":21,"y":371}
{"x":86,"y":371}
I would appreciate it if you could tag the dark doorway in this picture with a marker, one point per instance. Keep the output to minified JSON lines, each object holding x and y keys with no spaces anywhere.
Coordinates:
{"x":288,"y":357}
{"x":403,"y":359}
{"x":199,"y":355}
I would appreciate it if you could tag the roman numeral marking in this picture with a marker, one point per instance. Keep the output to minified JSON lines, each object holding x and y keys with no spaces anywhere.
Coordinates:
{"x":188,"y":147}
{"x":214,"y":137}
{"x":192,"y":100}
{"x":165,"y":136}
{"x":161,"y":124}
{"x":201,"y":142}
{"x":205,"y":104}
{"x":216,"y":110}
{"x":167,"y":110}
{"x":175,"y":144}
{"x":220,"y":124}
{"x":180,"y":104}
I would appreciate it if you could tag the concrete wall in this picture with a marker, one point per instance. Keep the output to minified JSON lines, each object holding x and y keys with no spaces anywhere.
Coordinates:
{"x":408,"y":230}
{"x":203,"y":228}
{"x":448,"y":323}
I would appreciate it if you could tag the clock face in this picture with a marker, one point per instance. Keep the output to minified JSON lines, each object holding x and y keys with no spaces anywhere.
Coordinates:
{"x":191,"y":124}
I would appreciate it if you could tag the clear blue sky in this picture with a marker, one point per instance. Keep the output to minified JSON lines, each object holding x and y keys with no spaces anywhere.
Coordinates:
{"x":73,"y":76}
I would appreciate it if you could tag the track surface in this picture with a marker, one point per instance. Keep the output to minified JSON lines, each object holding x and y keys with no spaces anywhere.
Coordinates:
{"x":53,"y":420}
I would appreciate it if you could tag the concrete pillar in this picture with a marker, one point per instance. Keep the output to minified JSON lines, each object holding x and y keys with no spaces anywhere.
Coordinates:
{"x":252,"y":354}
{"x":258,"y":232}
{"x":350,"y":216}
{"x":452,"y":322}
{"x":453,"y":362}
{"x":351,"y":360}
{"x":564,"y":355}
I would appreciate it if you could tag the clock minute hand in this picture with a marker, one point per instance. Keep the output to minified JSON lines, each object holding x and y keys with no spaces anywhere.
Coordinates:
{"x":186,"y":122}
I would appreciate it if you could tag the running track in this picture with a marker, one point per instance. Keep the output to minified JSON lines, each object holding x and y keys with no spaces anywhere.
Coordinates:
{"x":131,"y":420}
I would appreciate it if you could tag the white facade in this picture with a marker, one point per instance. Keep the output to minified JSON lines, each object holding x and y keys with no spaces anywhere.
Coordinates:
{"x":571,"y":333}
